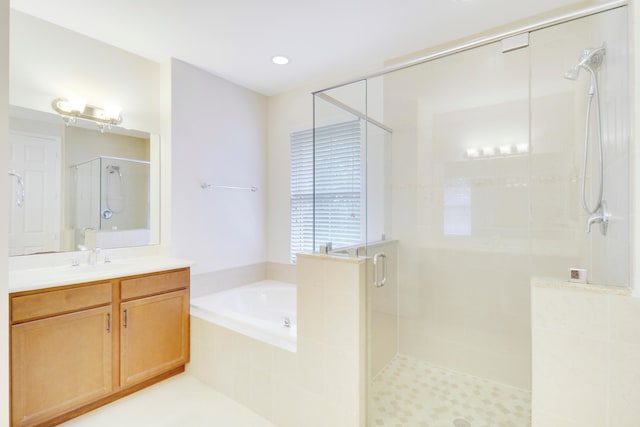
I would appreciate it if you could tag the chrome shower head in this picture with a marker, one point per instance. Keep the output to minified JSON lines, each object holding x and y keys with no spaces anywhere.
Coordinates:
{"x":114,"y":169}
{"x":573,"y":73}
{"x":590,"y":59}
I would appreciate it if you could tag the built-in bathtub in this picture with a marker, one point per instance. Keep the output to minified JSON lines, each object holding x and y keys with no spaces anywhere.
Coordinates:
{"x":264,"y":310}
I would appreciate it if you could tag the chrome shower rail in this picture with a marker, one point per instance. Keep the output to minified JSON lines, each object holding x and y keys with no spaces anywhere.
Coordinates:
{"x":545,"y":23}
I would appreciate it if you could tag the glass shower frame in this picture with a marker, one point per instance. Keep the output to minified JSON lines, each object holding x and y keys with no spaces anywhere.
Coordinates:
{"x":522,"y":166}
{"x":109,"y":194}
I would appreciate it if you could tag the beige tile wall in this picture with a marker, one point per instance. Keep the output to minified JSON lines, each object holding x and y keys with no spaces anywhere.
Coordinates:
{"x":214,"y":281}
{"x":586,"y":354}
{"x":282,"y":272}
{"x":323,"y":383}
{"x":462,"y":224}
{"x":558,"y":108}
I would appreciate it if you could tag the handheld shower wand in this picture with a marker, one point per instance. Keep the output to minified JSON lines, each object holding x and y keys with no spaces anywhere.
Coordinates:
{"x":591,"y":59}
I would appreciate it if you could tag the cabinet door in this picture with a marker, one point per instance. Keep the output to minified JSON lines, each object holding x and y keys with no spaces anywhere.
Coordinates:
{"x":59,"y":363}
{"x":154,"y":336}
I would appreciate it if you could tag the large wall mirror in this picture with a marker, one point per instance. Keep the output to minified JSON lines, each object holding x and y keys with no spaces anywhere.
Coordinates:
{"x":73,"y":186}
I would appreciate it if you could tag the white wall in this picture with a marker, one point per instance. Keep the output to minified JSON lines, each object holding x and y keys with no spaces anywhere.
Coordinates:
{"x":634,"y":81}
{"x":290,"y":111}
{"x":48,"y":61}
{"x":165,"y":156}
{"x":218,"y":136}
{"x":4,"y":133}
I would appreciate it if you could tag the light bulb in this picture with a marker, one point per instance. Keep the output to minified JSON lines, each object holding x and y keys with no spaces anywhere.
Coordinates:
{"x":280,"y":60}
{"x":112,"y":112}
{"x":76,"y":105}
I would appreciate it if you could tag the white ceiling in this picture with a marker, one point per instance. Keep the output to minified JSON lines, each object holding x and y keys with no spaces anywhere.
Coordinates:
{"x":327,"y":40}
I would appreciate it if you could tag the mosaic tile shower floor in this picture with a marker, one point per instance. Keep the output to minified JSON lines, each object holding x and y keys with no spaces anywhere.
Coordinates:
{"x":412,"y":393}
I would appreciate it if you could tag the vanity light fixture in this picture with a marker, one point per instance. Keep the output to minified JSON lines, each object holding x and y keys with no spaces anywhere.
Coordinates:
{"x":472,"y":153}
{"x":73,"y":109}
{"x":506,"y":150}
{"x":488,"y":151}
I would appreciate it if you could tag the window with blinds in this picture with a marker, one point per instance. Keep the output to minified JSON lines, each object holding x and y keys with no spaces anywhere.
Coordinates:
{"x":338,"y":189}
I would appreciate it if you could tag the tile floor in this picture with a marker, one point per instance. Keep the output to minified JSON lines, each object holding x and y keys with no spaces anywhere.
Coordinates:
{"x":179,"y":401}
{"x":412,"y":393}
{"x":407,"y":393}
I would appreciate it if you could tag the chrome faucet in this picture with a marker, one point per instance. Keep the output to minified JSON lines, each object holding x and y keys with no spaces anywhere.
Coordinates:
{"x":600,"y":216}
{"x":93,"y":256}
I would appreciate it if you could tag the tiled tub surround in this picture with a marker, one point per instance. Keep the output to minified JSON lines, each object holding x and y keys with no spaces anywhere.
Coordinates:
{"x":586,"y":348}
{"x":265,"y":310}
{"x":323,"y":382}
{"x":219,"y":280}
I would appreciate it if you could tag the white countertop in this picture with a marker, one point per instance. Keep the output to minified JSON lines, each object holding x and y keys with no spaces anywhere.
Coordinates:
{"x":47,"y":277}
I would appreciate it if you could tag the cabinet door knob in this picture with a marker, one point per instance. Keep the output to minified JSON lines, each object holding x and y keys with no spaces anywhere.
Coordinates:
{"x":126,"y":318}
{"x":109,"y":322}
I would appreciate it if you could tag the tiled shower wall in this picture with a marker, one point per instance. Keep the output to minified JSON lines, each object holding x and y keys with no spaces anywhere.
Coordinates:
{"x":558,"y":111}
{"x":462,"y":223}
{"x":586,"y":348}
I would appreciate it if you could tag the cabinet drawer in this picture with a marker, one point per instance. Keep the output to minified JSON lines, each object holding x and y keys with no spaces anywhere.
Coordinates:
{"x":51,"y":303}
{"x":154,"y":284}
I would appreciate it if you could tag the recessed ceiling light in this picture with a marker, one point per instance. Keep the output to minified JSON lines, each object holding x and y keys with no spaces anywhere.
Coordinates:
{"x":280,"y":60}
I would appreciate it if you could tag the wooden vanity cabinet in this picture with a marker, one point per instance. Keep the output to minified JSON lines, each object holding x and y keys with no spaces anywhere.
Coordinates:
{"x":79,"y":347}
{"x":60,"y":359}
{"x":154,"y":333}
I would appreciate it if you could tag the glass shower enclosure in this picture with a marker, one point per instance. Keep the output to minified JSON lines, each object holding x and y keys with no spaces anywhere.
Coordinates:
{"x":470,"y":177}
{"x":109,"y":203}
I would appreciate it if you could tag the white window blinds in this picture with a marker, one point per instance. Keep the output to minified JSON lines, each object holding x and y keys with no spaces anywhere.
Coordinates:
{"x":338,"y":189}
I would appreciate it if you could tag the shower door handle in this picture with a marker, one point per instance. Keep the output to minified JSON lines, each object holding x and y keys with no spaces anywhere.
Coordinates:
{"x":379,"y":283}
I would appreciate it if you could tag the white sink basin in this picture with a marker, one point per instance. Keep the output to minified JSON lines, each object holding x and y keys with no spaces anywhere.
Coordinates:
{"x":92,"y":269}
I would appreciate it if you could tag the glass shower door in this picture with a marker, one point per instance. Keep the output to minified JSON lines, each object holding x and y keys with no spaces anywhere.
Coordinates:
{"x":449,"y":331}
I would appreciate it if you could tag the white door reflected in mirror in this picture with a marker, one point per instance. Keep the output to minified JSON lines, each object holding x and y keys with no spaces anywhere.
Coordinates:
{"x":34,"y":224}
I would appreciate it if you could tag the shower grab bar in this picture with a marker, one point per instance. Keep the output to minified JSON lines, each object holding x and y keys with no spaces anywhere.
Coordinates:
{"x":376,"y":257}
{"x":206,"y":186}
{"x":20,"y":190}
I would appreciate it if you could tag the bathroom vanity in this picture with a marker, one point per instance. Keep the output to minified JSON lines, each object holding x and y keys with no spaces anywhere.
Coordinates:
{"x":78,"y":346}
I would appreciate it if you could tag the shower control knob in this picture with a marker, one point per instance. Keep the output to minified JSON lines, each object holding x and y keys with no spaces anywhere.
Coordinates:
{"x":107,"y":213}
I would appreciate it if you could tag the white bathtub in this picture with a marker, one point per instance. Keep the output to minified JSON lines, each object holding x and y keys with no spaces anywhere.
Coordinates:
{"x":264,"y":310}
